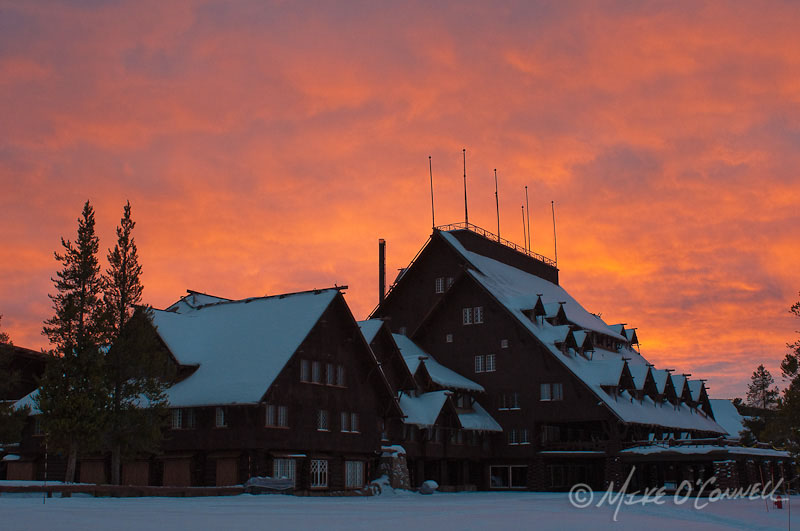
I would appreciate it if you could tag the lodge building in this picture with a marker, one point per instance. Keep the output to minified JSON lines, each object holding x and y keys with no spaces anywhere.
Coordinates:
{"x":477,"y":370}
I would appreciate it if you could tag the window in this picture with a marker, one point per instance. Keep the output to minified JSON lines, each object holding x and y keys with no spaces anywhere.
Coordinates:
{"x":508,"y":477}
{"x":551,"y":391}
{"x":504,"y":343}
{"x":219,"y":421}
{"x":479,"y":364}
{"x":304,"y":372}
{"x":316,"y":372}
{"x":448,"y":338}
{"x":467,"y":316}
{"x":177,"y":419}
{"x":283,"y":469}
{"x":490,"y":365}
{"x":319,"y":473}
{"x":551,"y":434}
{"x":330,"y":374}
{"x":354,"y":422}
{"x":509,"y":401}
{"x":514,"y":436}
{"x":277,"y":416}
{"x":524,"y":436}
{"x":322,"y":420}
{"x":440,"y":285}
{"x":345,"y":421}
{"x":354,"y":474}
{"x":189,"y":419}
{"x":478,"y":312}
{"x":449,"y":282}
{"x":340,"y":375}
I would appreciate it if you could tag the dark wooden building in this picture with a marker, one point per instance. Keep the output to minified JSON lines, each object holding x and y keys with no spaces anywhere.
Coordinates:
{"x":573,"y":395}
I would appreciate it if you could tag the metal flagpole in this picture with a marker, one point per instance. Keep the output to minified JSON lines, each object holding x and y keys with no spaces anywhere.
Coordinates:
{"x":555,"y":245}
{"x":524,"y":234}
{"x":497,"y":204}
{"x":528,"y":210}
{"x":430,"y":168}
{"x":466,"y":213}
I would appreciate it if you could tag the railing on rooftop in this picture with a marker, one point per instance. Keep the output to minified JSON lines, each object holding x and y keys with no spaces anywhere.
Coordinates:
{"x":494,"y":237}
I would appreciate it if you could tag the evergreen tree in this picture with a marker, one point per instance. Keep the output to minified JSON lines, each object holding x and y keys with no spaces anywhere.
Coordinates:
{"x":761,"y":392}
{"x":135,"y":364}
{"x":4,"y":338}
{"x":72,"y":397}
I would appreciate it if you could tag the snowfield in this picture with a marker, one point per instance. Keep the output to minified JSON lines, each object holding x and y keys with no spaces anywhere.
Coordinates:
{"x":405,"y":511}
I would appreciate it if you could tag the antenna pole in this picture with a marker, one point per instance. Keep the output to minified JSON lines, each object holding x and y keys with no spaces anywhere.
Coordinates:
{"x":524,"y":234}
{"x":497,"y":204}
{"x":466,"y":214}
{"x":528,"y":210}
{"x":430,"y":169}
{"x":555,"y":245}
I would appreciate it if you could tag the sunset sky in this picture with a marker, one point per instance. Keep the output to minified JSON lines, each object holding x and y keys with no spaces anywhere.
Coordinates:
{"x":266,"y":147}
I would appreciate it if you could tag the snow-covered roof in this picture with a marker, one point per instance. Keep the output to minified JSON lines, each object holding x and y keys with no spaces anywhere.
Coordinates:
{"x":695,"y":387}
{"x":440,"y":374}
{"x":29,"y":401}
{"x":727,"y":416}
{"x":240,"y":347}
{"x":689,"y":449}
{"x":193,"y":300}
{"x":639,"y":375}
{"x":660,"y":377}
{"x":518,"y":291}
{"x":369,"y":328}
{"x":423,"y":410}
{"x":478,"y":419}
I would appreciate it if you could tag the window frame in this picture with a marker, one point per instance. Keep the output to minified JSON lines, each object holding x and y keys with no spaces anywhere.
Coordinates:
{"x":318,"y":471}
{"x":220,"y":417}
{"x":479,"y":364}
{"x":285,"y":464}
{"x":466,"y":316}
{"x":477,"y":315}
{"x":323,"y":422}
{"x":490,"y":363}
{"x":354,"y":469}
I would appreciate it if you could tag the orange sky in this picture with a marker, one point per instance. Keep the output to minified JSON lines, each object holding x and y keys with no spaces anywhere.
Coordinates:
{"x":265,"y":147}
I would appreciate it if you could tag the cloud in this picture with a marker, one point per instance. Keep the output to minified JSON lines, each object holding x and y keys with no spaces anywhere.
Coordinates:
{"x":266,"y":146}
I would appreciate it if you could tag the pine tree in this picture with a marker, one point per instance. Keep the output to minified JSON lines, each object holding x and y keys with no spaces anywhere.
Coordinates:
{"x":761,"y":393}
{"x":4,"y":338}
{"x":72,"y":397}
{"x":135,"y":364}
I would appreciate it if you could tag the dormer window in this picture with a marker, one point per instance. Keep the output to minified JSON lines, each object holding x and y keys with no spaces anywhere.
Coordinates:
{"x":439,"y":285}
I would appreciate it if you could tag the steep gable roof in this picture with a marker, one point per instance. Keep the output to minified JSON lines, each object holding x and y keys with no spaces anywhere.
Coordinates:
{"x":440,"y":375}
{"x":519,"y":291}
{"x":240,"y":347}
{"x":193,"y":300}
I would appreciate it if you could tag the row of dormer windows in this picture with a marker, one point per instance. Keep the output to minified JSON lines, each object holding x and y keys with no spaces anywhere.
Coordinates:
{"x":322,"y":373}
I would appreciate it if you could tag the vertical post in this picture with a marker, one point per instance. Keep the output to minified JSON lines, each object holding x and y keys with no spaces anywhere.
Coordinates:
{"x":555,"y":245}
{"x":466,"y":213}
{"x":524,"y":233}
{"x":381,"y":270}
{"x":528,"y":210}
{"x":433,"y":217}
{"x":497,"y":204}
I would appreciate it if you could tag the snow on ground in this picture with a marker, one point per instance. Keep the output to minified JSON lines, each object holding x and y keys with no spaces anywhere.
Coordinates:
{"x":462,"y":511}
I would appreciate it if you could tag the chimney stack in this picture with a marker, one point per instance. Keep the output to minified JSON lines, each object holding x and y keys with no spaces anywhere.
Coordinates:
{"x":381,"y":270}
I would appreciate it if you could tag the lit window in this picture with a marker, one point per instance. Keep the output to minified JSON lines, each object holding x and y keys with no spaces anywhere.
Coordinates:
{"x":322,"y":420}
{"x":219,"y":417}
{"x":319,"y":473}
{"x":283,"y":469}
{"x":440,"y":285}
{"x":316,"y":372}
{"x":340,"y":375}
{"x":448,"y":338}
{"x":467,"y":316}
{"x":478,"y":311}
{"x":479,"y":364}
{"x":330,"y":375}
{"x":490,"y":363}
{"x":504,"y":343}
{"x":177,"y":419}
{"x":354,"y":474}
{"x":304,"y":371}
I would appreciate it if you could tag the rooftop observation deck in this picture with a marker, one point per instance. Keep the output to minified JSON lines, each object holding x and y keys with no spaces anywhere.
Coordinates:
{"x":494,"y":237}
